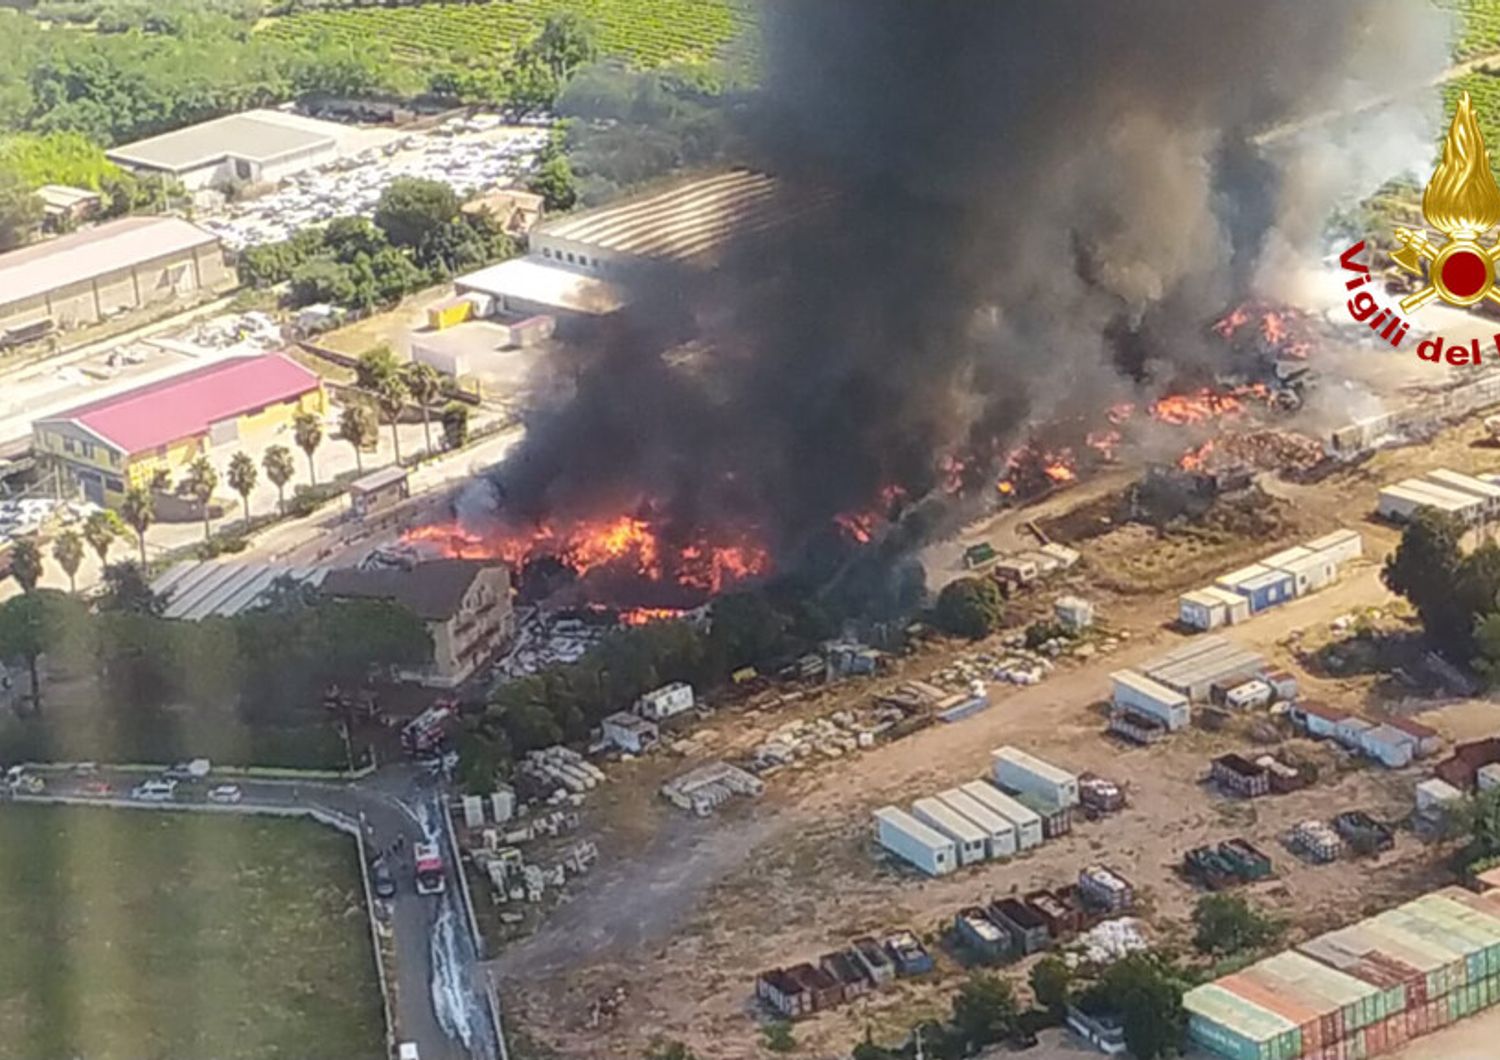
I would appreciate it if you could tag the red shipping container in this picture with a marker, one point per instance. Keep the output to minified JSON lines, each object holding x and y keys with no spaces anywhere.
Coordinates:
{"x":1416,"y":1021}
{"x":1395,"y":1030}
{"x":1375,"y":1039}
{"x":1286,"y":1006}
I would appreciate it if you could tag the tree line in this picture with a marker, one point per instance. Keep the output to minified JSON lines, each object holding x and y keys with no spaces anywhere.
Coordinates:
{"x":1456,"y":595}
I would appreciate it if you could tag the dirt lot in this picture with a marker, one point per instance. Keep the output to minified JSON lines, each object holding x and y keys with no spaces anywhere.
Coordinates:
{"x":682,"y":913}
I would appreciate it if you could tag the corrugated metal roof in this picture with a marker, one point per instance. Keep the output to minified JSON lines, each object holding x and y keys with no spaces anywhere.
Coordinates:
{"x":1286,"y":555}
{"x":1333,"y":540}
{"x":1423,"y":499}
{"x":1235,"y":1014}
{"x":202,"y":589}
{"x":1234,"y":578}
{"x":685,"y":221}
{"x":1461,"y":483}
{"x":1314,"y":978}
{"x":94,"y":252}
{"x":1395,"y":944}
{"x":1417,"y":935}
{"x":962,"y":802}
{"x":531,"y":280}
{"x":1417,"y":485}
{"x":1144,"y":685}
{"x":1281,"y":1003}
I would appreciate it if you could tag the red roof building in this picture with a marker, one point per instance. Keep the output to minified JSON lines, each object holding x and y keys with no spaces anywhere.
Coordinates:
{"x":120,"y":441}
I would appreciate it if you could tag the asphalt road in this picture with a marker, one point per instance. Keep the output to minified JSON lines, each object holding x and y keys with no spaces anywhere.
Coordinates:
{"x":439,"y":997}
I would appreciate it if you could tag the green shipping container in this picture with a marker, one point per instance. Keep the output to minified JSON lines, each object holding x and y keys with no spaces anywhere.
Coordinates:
{"x":1476,"y":997}
{"x":1354,"y":1046}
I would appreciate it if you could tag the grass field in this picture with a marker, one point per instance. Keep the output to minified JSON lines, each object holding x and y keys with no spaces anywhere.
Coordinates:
{"x":646,"y":34}
{"x":128,"y":935}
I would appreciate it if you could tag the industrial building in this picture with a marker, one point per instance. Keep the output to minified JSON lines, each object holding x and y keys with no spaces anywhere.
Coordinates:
{"x":1362,"y":990}
{"x":255,"y":147}
{"x":109,"y":445}
{"x":464,"y":603}
{"x":107,"y":272}
{"x":567,"y":272}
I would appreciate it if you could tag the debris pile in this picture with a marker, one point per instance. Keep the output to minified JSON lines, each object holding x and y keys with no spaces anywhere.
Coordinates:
{"x":559,"y":771}
{"x":543,"y":641}
{"x":1112,"y":940}
{"x":703,"y":789}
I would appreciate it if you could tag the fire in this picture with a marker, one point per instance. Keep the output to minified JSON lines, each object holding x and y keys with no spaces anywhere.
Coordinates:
{"x":858,"y":525}
{"x":1006,"y":487}
{"x":1060,"y":472}
{"x":1030,"y":469}
{"x":1206,"y":404}
{"x":1120,"y":413}
{"x":626,"y":543}
{"x":1273,"y":328}
{"x":1105,"y":443}
{"x":640,"y":616}
{"x":1235,"y":320}
{"x":1197,"y":459}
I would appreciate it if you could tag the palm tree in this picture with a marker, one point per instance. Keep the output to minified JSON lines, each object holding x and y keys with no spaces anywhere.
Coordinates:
{"x":100,"y":530}
{"x":138,"y":509}
{"x":68,"y":551}
{"x":242,"y":476}
{"x":391,"y":397}
{"x":277,"y":460}
{"x":307,"y":428}
{"x":26,"y":563}
{"x":358,"y":426}
{"x":455,"y":424}
{"x":201,"y":481}
{"x":425,"y":384}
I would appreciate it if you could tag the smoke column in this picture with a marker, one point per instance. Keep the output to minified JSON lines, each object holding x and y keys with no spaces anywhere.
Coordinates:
{"x":1034,"y":209}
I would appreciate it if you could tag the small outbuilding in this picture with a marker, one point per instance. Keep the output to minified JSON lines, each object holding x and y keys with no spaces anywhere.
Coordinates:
{"x":379,"y":491}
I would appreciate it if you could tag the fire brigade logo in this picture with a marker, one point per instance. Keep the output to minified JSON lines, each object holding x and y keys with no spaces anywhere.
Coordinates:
{"x":1463,"y":202}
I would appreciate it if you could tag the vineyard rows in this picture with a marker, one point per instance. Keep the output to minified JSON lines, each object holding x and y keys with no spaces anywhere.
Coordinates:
{"x":645,"y":32}
{"x":1479,"y":27}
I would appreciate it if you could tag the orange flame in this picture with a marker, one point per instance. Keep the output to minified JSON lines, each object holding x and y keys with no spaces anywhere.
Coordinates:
{"x":641,"y":616}
{"x":1206,"y":404}
{"x":1197,"y":459}
{"x":858,"y":525}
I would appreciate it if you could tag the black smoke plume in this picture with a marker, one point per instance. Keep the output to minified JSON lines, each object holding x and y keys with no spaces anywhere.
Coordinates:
{"x":1032,"y":209}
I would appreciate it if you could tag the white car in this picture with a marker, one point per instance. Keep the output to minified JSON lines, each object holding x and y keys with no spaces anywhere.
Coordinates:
{"x":227,"y":794}
{"x":155,"y":791}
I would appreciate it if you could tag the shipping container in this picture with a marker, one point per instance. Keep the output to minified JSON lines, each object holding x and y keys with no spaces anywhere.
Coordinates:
{"x":968,"y":838}
{"x":1470,"y":508}
{"x":1486,"y":492}
{"x":1268,"y":590}
{"x":1198,"y":610}
{"x":910,"y":839}
{"x":1234,"y":579}
{"x":1015,"y":770}
{"x":1136,"y":692}
{"x":1232,"y":1027}
{"x":1001,"y":833}
{"x":1309,"y":1020}
{"x":1028,"y":824}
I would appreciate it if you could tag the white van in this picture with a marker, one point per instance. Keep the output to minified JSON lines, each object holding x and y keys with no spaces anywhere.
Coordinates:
{"x":408,"y":1051}
{"x":155,"y":791}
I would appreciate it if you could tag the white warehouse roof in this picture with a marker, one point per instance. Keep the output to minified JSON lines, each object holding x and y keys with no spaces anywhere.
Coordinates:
{"x":533,"y":281}
{"x":259,"y":135}
{"x":195,"y":590}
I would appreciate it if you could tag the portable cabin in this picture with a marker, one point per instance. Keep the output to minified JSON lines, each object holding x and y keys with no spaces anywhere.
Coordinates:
{"x":1390,"y":746}
{"x":1018,"y":771}
{"x":1198,"y":610}
{"x":910,"y":839}
{"x":1028,"y":825}
{"x":1136,"y":692}
{"x":1399,"y":503}
{"x":847,"y":972}
{"x":1000,"y":831}
{"x":1234,"y":579}
{"x":1310,"y":572}
{"x":1487,"y":492}
{"x":1342,"y":545}
{"x":1266,"y":590}
{"x":971,"y":841}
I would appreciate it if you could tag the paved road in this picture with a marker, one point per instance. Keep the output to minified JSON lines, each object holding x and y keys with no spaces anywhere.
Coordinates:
{"x":439,"y":999}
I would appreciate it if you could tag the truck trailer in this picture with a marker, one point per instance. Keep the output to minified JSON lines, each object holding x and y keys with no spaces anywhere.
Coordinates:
{"x":1018,"y":771}
{"x":910,"y":839}
{"x":1028,"y":823}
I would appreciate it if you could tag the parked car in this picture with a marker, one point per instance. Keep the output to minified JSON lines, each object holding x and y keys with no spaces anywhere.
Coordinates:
{"x":98,"y":788}
{"x":155,"y":791}
{"x":226,"y":794}
{"x":197,"y":769}
{"x":382,"y":879}
{"x":29,"y":784}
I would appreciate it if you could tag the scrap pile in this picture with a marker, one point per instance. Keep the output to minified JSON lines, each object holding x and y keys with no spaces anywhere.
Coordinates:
{"x":805,"y":740}
{"x":543,"y":642}
{"x":559,"y":773}
{"x":1111,"y":940}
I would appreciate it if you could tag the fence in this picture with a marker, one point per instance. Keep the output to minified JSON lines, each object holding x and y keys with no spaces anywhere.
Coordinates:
{"x":491,"y":1000}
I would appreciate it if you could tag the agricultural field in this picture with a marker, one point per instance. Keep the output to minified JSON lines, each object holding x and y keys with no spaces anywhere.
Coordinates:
{"x":1479,"y":29}
{"x":646,"y":34}
{"x":133,"y":935}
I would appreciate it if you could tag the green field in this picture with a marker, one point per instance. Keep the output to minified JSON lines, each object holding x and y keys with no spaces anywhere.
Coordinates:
{"x":131,"y":935}
{"x":646,"y":34}
{"x":1479,"y":28}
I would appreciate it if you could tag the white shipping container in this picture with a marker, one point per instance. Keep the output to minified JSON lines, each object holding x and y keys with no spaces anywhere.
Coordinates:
{"x":1235,"y":579}
{"x":1019,"y":771}
{"x":1435,"y":793}
{"x":1311,"y":572}
{"x":1028,"y":823}
{"x":1150,"y":698}
{"x":1002,"y":834}
{"x":968,"y":838}
{"x":910,"y":839}
{"x":1398,"y":503}
{"x":1198,"y":610}
{"x":1468,"y":485}
{"x":1250,"y":694}
{"x":1236,"y":607}
{"x":1488,"y":776}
